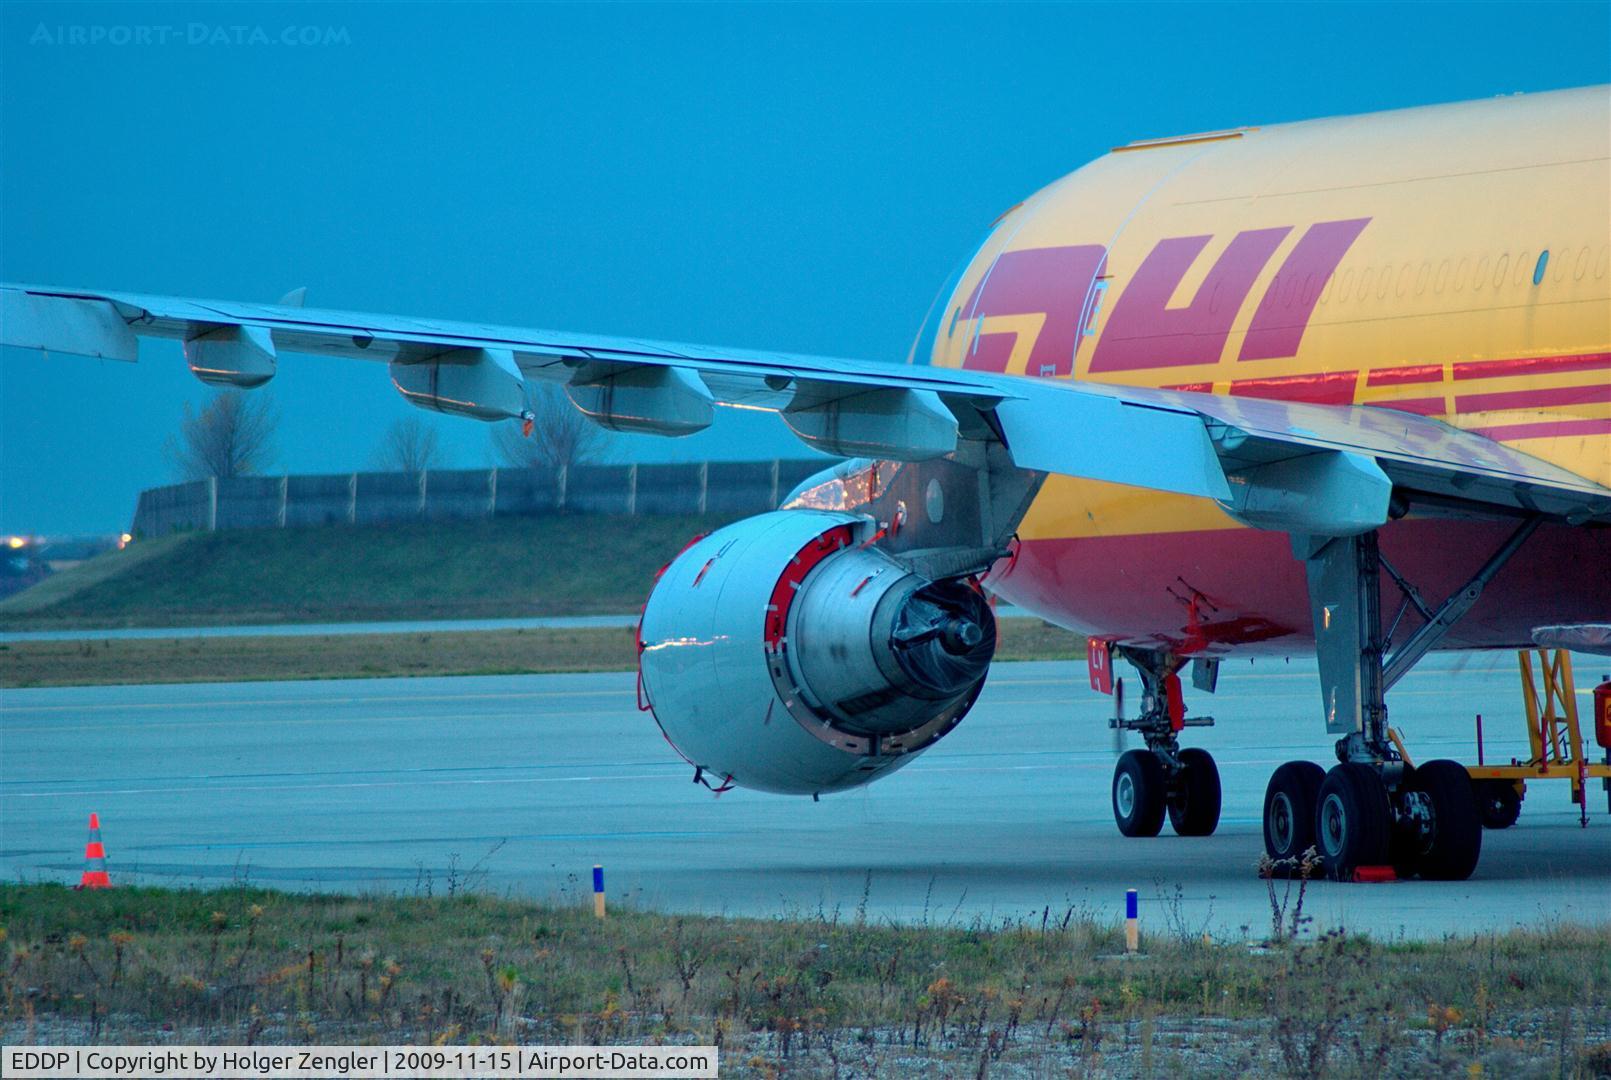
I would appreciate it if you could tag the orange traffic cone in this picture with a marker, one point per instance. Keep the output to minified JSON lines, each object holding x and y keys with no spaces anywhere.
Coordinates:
{"x":94,"y":859}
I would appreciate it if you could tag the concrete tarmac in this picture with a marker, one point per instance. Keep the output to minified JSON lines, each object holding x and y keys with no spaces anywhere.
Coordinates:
{"x":521,"y":784}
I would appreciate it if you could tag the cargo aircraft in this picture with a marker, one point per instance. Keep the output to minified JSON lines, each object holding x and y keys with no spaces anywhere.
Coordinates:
{"x":1341,"y":385}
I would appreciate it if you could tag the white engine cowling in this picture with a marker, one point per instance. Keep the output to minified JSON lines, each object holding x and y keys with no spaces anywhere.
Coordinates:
{"x":780,"y":653}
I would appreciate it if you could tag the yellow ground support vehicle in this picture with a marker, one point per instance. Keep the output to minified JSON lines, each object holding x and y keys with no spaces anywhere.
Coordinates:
{"x":1555,"y":737}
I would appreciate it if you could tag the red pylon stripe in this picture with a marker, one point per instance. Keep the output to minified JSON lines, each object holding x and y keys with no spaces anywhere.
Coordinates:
{"x":94,"y":850}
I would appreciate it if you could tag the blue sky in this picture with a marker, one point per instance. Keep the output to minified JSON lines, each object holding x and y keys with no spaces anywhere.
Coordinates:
{"x":787,"y":176}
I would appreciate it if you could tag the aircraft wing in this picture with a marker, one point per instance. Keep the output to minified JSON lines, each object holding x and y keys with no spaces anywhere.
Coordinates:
{"x":1320,"y":469}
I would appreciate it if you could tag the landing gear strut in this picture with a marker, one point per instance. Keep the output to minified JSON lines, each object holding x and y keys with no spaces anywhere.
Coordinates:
{"x":1372,"y":809}
{"x":1163,"y":780}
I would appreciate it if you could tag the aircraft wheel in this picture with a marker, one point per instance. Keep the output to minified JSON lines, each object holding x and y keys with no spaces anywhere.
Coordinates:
{"x":1352,"y":820}
{"x":1194,"y":798}
{"x":1407,"y":838}
{"x":1498,"y":802}
{"x":1289,"y":812}
{"x":1450,"y":850}
{"x":1140,"y":787}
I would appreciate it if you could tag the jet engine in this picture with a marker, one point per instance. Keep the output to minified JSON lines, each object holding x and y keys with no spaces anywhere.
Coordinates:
{"x":785,"y":653}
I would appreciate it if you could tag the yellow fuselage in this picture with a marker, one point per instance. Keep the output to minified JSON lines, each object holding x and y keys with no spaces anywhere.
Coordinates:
{"x":1453,"y":261}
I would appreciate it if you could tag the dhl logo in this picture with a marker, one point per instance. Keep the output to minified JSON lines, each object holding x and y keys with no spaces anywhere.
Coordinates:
{"x":1068,"y":284}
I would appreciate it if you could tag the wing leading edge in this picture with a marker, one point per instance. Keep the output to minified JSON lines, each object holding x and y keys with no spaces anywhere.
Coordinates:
{"x":1317,"y":469}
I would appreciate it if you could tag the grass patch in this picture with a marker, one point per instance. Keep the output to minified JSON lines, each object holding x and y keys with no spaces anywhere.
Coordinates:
{"x":492,"y":568}
{"x":363,"y":656}
{"x":823,"y":993}
{"x":324,"y":656}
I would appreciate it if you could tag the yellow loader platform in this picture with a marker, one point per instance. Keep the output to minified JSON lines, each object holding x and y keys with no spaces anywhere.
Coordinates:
{"x":1555,"y":737}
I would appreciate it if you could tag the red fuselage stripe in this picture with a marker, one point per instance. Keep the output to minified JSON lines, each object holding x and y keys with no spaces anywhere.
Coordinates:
{"x":1546,"y":429}
{"x":1321,"y":388}
{"x":1421,"y":406}
{"x":1531,"y":365}
{"x":1537,"y":397}
{"x":1420,"y":373}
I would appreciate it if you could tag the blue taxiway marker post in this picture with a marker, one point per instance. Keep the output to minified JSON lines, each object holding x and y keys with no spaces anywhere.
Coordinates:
{"x":598,"y":891}
{"x":1132,"y":930}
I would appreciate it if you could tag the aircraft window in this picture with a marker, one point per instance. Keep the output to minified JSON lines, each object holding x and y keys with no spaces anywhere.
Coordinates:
{"x":1479,"y":277}
{"x":1460,"y":274}
{"x":1310,"y":294}
{"x":1420,"y":279}
{"x":1604,"y":264}
{"x":1521,"y":267}
{"x":1562,"y":265}
{"x":1582,"y":265}
{"x":1345,"y":286}
{"x":1404,"y":279}
{"x":1501,"y":269}
{"x":1364,"y":281}
{"x":1538,"y":271}
{"x":1443,"y":277}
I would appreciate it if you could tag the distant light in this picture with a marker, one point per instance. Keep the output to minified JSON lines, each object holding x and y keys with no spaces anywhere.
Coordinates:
{"x":123,"y":541}
{"x":16,"y":541}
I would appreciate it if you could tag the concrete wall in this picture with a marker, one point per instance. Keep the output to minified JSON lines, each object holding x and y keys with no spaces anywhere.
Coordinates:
{"x":264,"y":502}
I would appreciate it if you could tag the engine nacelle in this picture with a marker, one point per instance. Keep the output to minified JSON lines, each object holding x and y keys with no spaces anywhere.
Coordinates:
{"x":781,"y":653}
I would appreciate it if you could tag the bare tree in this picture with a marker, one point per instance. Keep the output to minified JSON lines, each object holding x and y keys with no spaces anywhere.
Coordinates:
{"x":409,"y":446}
{"x":229,"y":436}
{"x":560,"y":434}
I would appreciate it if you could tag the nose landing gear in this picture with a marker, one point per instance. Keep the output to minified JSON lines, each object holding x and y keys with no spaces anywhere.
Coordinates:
{"x":1164,"y":779}
{"x":1140,"y":792}
{"x":1194,"y":798}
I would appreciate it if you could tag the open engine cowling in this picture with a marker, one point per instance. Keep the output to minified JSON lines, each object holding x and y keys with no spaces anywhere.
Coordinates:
{"x":782,"y":654}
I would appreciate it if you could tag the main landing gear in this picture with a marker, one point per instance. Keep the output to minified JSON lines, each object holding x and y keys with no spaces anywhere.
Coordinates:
{"x":1372,"y":809}
{"x":1163,"y":779}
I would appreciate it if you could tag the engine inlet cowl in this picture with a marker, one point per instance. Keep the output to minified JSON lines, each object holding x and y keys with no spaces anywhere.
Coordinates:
{"x":781,"y":653}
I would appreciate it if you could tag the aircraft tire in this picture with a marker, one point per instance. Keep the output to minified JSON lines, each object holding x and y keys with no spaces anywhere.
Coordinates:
{"x":1140,"y":791}
{"x":1455,"y":845}
{"x":1289,"y":813}
{"x":1352,"y":820}
{"x":1404,"y":842}
{"x":1498,"y":803}
{"x":1194,"y":798}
